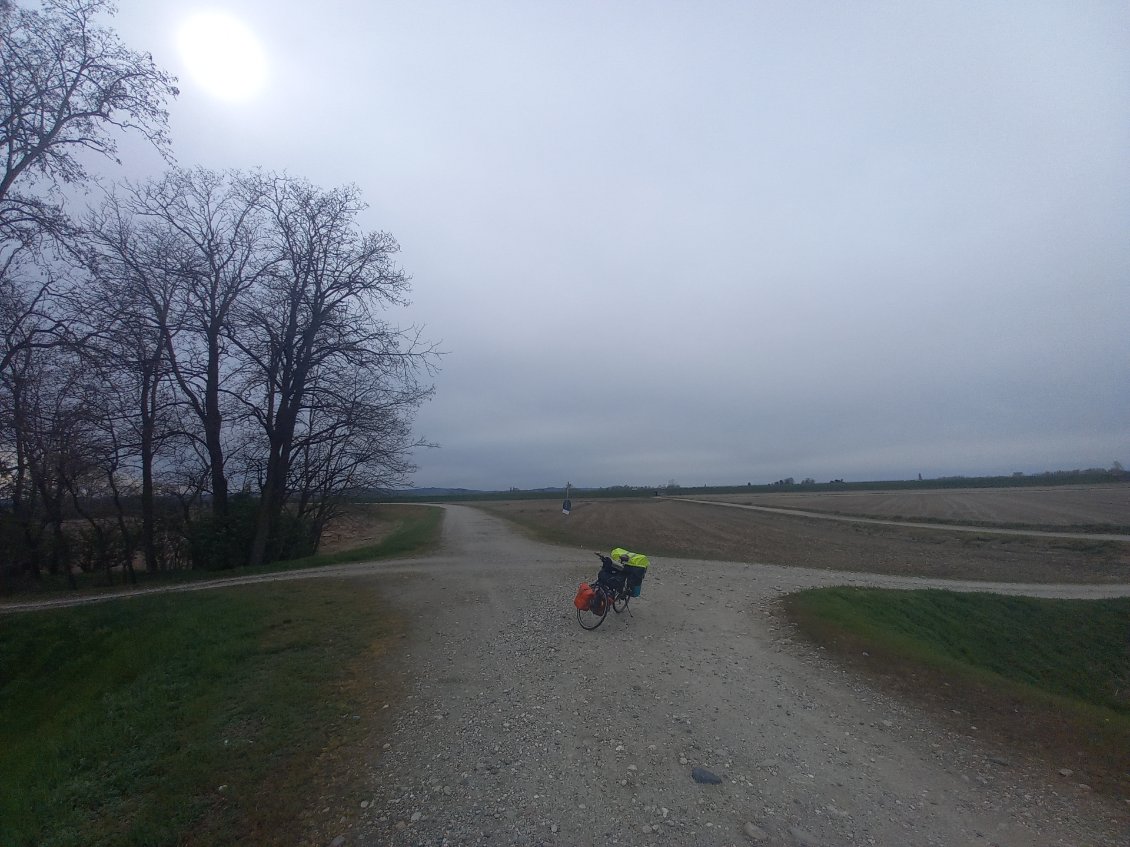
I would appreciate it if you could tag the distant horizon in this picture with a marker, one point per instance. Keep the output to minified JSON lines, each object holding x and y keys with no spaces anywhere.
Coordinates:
{"x":1110,"y":468}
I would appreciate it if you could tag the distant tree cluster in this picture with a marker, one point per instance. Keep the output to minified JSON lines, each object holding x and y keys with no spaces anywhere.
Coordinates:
{"x":195,"y":369}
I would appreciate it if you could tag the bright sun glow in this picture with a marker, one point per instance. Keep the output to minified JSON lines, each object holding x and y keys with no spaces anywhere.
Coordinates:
{"x":223,"y":55}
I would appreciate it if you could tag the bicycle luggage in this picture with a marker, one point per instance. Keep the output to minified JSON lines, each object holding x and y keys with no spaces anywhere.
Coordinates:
{"x":584,"y":598}
{"x":611,"y":576}
{"x":635,"y":579}
{"x":635,"y":567}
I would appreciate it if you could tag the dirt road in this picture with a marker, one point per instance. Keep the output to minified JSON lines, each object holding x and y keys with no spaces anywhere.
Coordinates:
{"x":520,"y":728}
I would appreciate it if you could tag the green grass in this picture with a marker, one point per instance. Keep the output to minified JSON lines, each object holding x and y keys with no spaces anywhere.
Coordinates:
{"x":417,"y":530}
{"x":1077,"y":649}
{"x":1050,"y":675}
{"x":181,"y":719}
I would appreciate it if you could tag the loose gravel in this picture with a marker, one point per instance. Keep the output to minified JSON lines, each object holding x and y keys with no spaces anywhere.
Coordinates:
{"x":520,"y":728}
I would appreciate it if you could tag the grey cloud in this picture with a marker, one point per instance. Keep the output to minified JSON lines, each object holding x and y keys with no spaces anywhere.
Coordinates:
{"x":726,"y":242}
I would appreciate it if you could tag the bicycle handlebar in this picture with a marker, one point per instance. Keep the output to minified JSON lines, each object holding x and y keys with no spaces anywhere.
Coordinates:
{"x":607,"y":562}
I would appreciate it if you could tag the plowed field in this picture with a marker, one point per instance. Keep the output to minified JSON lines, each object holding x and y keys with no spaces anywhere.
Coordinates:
{"x":660,"y":526}
{"x":1090,"y":506}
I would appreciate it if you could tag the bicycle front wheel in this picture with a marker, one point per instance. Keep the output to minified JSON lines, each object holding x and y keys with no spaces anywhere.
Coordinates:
{"x":592,"y":617}
{"x":621,"y":602}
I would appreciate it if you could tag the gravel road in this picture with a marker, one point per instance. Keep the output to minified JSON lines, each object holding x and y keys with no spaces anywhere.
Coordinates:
{"x":520,"y":728}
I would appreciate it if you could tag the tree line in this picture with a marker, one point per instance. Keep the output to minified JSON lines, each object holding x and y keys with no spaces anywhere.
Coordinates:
{"x":195,"y":368}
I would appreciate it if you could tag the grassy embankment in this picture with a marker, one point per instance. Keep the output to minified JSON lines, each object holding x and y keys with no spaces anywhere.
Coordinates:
{"x":209,"y":718}
{"x":413,"y":529}
{"x":1051,"y":677}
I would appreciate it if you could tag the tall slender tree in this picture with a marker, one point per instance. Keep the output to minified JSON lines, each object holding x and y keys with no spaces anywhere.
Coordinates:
{"x":137,"y":300}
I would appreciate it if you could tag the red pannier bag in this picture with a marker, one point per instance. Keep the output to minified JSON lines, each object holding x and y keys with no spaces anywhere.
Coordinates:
{"x":583,"y":600}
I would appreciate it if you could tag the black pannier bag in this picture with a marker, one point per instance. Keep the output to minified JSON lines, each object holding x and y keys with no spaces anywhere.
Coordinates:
{"x":610,"y":576}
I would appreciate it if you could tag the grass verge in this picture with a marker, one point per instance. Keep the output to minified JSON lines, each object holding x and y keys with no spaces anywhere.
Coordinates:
{"x":182,"y":719}
{"x":415,"y":530}
{"x":1049,"y":677}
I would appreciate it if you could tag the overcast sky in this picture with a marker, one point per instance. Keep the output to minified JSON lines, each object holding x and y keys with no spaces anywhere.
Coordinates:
{"x":718,"y":242}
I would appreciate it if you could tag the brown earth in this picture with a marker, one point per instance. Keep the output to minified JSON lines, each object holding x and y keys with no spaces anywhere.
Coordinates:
{"x":1051,"y":507}
{"x":661,"y":526}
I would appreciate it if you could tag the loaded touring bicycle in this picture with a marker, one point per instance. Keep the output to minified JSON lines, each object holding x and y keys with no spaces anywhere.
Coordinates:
{"x":619,"y":580}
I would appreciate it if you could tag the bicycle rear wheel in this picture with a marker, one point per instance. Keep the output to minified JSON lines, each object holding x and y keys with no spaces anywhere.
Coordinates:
{"x":594,"y":616}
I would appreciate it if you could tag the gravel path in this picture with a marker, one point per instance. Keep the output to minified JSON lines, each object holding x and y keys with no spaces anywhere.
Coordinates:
{"x":522,"y":729}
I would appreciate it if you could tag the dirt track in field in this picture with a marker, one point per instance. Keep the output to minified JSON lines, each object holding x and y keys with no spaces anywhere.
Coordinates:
{"x":982,"y":529}
{"x":1053,"y":506}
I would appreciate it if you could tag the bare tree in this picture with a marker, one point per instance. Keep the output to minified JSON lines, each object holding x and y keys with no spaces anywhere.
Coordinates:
{"x":102,"y":467}
{"x":53,"y":451}
{"x":135,"y":297}
{"x":235,"y":321}
{"x":242,"y":330}
{"x":68,"y":89}
{"x":191,"y":245}
{"x":68,"y":86}
{"x":19,"y":490}
{"x":354,"y":435}
{"x":316,"y":312}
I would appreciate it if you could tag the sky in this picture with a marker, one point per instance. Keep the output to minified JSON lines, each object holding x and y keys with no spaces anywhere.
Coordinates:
{"x":713,"y":242}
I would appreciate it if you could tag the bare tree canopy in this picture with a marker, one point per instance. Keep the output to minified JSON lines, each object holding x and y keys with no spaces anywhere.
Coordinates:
{"x":197,"y":332}
{"x":254,"y":303}
{"x":68,"y":85}
{"x":317,"y":315}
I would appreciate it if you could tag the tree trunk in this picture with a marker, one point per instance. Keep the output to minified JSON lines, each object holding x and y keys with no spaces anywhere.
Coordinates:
{"x":59,"y":552}
{"x":213,"y":427}
{"x":270,"y":505}
{"x":148,"y":513}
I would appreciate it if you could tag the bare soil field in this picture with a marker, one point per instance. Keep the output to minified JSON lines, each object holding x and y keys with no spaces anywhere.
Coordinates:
{"x":1062,"y":507}
{"x":659,"y":526}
